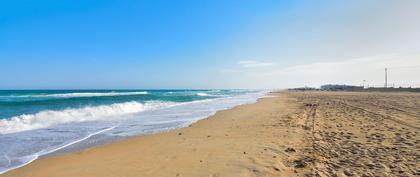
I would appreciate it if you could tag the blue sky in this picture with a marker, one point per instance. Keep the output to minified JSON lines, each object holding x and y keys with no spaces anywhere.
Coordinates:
{"x":199,"y":44}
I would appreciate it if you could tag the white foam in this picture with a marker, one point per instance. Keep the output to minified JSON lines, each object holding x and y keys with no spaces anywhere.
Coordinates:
{"x":33,"y":157}
{"x":48,"y":118}
{"x":84,"y":94}
{"x":202,"y":94}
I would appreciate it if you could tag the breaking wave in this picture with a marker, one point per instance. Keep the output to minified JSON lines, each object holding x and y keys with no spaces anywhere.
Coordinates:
{"x":48,"y":118}
{"x":202,"y":94}
{"x":82,"y":94}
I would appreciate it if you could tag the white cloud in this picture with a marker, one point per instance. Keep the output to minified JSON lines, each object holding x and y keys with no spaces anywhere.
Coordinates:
{"x":254,"y":64}
{"x":402,"y":71}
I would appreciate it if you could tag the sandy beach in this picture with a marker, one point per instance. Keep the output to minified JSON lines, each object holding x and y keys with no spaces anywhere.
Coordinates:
{"x":286,"y":134}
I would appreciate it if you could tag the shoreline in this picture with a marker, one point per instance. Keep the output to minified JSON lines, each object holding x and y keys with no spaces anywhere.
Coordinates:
{"x":63,"y":150}
{"x":176,"y":131}
{"x":290,"y":134}
{"x":76,"y":147}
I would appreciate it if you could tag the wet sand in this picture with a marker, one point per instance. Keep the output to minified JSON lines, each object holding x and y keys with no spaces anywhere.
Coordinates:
{"x":291,"y":134}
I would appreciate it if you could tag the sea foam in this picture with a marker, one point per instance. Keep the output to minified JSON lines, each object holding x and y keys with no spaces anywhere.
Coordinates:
{"x":81,"y":94}
{"x":48,"y":118}
{"x":95,"y":94}
{"x":202,"y":94}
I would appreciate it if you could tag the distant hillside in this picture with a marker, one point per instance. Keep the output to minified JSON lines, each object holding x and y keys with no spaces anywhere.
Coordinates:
{"x":332,"y":87}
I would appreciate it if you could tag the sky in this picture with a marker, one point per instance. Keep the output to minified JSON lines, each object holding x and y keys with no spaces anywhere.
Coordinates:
{"x":169,"y":44}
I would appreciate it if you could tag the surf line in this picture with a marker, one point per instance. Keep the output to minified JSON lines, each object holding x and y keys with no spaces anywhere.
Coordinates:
{"x":36,"y":155}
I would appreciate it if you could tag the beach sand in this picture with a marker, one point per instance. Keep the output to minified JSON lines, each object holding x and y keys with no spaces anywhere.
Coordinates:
{"x":289,"y":134}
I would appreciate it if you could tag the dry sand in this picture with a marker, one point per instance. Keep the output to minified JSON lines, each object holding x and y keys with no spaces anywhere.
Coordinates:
{"x":292,"y":134}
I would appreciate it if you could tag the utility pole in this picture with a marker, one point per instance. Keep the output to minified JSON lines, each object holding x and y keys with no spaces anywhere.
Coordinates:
{"x":386,"y":77}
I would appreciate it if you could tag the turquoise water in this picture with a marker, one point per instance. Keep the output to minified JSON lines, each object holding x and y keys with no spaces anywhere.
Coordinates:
{"x":13,"y":103}
{"x":39,"y":122}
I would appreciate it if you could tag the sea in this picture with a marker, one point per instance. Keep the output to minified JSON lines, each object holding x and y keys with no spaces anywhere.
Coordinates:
{"x":36,"y":123}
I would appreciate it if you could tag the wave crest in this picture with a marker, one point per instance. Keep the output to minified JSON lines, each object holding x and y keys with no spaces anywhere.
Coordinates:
{"x":48,"y":118}
{"x":96,"y":94}
{"x":82,"y":94}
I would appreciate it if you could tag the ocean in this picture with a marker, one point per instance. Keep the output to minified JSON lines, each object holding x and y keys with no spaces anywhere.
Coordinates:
{"x":34,"y":123}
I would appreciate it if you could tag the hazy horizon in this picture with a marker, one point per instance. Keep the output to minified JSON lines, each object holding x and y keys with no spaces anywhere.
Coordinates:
{"x":207,"y":44}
